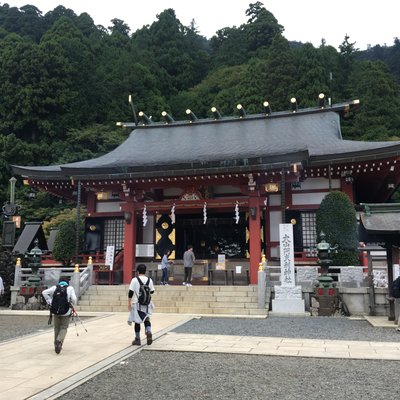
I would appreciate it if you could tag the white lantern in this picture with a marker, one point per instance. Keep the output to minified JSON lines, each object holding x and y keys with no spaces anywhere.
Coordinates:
{"x":144,"y":215}
{"x":205,"y":213}
{"x":237,"y":217}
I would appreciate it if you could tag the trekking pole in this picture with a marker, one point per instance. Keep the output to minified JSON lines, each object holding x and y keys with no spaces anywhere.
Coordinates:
{"x":75,"y":315}
{"x":73,"y":319}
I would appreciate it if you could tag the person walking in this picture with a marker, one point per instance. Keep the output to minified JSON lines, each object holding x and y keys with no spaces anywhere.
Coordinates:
{"x":140,"y":305}
{"x":61,"y":298}
{"x":188,"y":262}
{"x":165,"y":263}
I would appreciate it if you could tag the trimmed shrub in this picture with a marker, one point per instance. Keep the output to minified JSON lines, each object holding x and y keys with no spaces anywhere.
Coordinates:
{"x":336,"y":217}
{"x":65,"y":243}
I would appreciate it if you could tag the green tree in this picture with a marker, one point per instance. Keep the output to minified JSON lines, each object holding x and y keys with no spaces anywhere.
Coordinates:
{"x":336,"y":217}
{"x":347,"y":56}
{"x":7,"y":269}
{"x":378,"y":117}
{"x":311,"y":77}
{"x":261,"y":28}
{"x":279,"y":74}
{"x":65,"y":243}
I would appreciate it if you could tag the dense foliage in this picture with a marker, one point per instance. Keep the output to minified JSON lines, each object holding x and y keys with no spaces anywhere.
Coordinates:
{"x":65,"y":81}
{"x":336,"y":218}
{"x":65,"y":242}
{"x":7,"y":268}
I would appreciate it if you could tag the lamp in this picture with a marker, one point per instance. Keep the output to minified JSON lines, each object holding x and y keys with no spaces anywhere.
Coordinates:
{"x":216,"y":113}
{"x":241,"y":110}
{"x":167,"y":117}
{"x":191,"y":115}
{"x":348,"y":177}
{"x":133,"y":109}
{"x":267,"y":108}
{"x":293,"y":104}
{"x":321,"y":100}
{"x":127,"y":217}
{"x":145,"y":119}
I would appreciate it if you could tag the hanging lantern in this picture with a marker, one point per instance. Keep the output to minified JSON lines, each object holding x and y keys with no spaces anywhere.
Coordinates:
{"x":237,"y":217}
{"x":205,"y":213}
{"x":173,"y":214}
{"x":144,"y":215}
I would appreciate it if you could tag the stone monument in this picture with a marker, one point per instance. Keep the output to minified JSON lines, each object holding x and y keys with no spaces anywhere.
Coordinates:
{"x":288,"y":297}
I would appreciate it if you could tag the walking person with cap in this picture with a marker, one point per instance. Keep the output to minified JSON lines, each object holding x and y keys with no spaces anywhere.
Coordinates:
{"x":61,"y":298}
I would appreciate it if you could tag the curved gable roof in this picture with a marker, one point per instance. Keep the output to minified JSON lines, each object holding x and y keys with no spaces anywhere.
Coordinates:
{"x":311,"y":137}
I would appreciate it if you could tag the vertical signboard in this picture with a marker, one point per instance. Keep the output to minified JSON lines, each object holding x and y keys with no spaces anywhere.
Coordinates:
{"x":287,"y":254}
{"x":110,"y":256}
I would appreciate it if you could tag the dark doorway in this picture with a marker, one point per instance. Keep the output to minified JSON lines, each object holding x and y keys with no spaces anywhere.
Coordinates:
{"x":294,"y":217}
{"x":220,"y":235}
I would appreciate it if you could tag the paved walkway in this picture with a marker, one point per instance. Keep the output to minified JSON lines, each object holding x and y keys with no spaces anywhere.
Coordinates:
{"x":29,"y":367}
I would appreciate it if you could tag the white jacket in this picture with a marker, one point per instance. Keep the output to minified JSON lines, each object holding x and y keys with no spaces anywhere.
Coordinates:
{"x":48,"y":295}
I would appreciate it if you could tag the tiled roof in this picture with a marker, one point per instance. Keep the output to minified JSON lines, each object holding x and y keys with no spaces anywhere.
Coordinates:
{"x":309,"y":137}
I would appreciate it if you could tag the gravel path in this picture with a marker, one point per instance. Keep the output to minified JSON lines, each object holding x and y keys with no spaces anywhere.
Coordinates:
{"x":172,"y":375}
{"x":205,"y":376}
{"x":334,"y":328}
{"x":202,"y":376}
{"x":13,"y":326}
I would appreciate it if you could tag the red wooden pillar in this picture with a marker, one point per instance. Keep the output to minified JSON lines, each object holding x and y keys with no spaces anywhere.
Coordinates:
{"x":255,"y":238}
{"x":129,"y":240}
{"x":348,"y":189}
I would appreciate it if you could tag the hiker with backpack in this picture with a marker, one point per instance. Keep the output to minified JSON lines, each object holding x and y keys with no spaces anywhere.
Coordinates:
{"x":60,"y":299}
{"x":140,"y":305}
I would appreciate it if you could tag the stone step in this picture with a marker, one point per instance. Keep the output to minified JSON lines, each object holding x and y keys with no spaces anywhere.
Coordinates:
{"x":125,"y":288}
{"x":184,"y":310}
{"x":230,"y":300}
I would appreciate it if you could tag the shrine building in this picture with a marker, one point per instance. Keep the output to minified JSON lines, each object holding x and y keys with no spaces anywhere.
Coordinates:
{"x":222,"y":184}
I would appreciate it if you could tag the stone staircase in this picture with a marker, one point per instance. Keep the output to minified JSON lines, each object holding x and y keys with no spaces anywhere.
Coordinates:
{"x":218,"y":300}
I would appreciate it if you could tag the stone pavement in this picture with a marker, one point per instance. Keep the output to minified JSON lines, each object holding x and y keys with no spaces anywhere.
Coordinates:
{"x":29,"y":367}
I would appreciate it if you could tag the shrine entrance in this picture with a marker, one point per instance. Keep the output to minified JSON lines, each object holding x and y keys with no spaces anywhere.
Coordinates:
{"x":219,"y":235}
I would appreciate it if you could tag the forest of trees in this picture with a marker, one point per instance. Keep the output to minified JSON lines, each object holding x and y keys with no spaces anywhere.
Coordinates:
{"x":65,"y":81}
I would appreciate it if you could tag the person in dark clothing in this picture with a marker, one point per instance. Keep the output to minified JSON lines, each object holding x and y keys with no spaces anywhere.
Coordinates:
{"x":188,"y":262}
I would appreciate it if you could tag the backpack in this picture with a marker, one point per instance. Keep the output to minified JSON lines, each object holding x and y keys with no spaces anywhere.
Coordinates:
{"x":144,"y":292}
{"x":60,"y":304}
{"x":396,"y":288}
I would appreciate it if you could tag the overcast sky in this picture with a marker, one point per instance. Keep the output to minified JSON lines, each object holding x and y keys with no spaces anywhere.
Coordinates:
{"x":365,"y":21}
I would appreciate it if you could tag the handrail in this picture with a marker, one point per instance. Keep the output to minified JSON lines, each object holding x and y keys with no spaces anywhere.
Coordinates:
{"x":80,"y":278}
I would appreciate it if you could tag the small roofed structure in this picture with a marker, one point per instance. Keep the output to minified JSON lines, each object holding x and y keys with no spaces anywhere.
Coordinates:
{"x":382,"y":222}
{"x":31,"y":231}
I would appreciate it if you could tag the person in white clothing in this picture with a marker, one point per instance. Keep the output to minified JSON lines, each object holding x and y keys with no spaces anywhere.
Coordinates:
{"x":140,"y":313}
{"x":62,"y":313}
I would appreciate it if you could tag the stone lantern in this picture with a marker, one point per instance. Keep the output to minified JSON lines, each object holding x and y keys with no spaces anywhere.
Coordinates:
{"x":326,"y":292}
{"x":34,"y":262}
